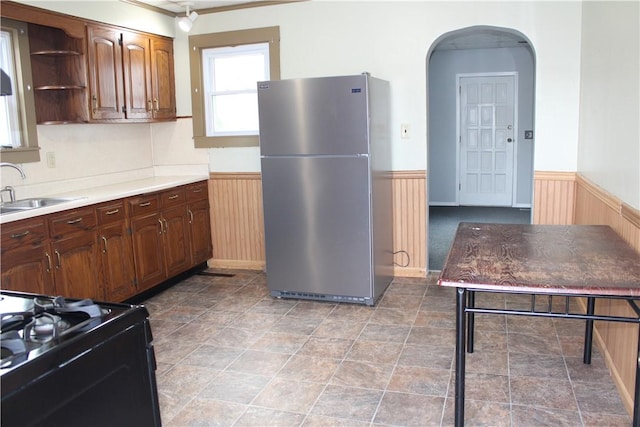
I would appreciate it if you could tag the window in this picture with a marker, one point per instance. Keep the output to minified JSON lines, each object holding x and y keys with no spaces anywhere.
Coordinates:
{"x":224,"y":70}
{"x":231,"y":96}
{"x":18,"y":134}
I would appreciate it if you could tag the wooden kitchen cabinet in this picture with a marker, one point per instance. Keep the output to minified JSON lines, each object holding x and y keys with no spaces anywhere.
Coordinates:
{"x":114,"y":234}
{"x":26,"y":257}
{"x":136,"y":59}
{"x":105,"y":73}
{"x":75,"y":253}
{"x":199,"y":223}
{"x":146,"y":234}
{"x":59,"y":75}
{"x":110,"y":251}
{"x":131,"y":75}
{"x":162,"y":79}
{"x":86,"y":71}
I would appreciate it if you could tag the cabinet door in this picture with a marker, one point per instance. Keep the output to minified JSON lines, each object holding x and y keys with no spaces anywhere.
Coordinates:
{"x":200,"y":232}
{"x":77,"y":266}
{"x":163,"y":82}
{"x":105,"y":74}
{"x":28,"y":269}
{"x":117,"y":261}
{"x":146,"y":232}
{"x":176,"y":240}
{"x":136,"y":59}
{"x":26,"y":257}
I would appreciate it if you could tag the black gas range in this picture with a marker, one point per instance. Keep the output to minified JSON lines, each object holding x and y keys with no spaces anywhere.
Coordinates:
{"x":75,"y":363}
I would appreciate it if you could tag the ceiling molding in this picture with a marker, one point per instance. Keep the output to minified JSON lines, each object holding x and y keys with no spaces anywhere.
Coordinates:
{"x":247,"y":5}
{"x":149,"y":7}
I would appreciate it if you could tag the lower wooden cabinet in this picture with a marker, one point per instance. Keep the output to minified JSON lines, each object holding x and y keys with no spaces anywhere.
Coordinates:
{"x":116,"y":252}
{"x":200,"y":231}
{"x":26,"y":257}
{"x":175,"y":235}
{"x":111,"y":251}
{"x":76,"y":266}
{"x":146,"y":233}
{"x":54,"y":256}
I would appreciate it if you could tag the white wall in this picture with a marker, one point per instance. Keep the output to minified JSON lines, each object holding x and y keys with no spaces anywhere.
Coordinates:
{"x":609,"y":147}
{"x":391,"y":40}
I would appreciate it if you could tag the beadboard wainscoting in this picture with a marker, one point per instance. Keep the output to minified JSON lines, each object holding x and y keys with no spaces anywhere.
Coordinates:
{"x":618,"y":341}
{"x":237,"y":224}
{"x":553,"y":197}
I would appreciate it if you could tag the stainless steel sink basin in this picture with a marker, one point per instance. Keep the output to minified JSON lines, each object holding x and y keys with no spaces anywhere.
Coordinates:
{"x":33,"y":203}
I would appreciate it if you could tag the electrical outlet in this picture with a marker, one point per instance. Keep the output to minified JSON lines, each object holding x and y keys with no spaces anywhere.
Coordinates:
{"x":404,"y":131}
{"x":51,"y":159}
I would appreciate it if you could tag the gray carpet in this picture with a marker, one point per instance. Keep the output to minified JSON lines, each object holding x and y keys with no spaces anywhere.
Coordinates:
{"x":444,"y":220}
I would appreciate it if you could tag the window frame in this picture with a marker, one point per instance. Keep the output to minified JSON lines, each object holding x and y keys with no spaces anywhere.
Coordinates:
{"x":198,"y":42}
{"x":29,"y":151}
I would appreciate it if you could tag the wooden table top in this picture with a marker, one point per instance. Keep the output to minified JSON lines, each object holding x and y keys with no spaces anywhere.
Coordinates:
{"x":549,"y":259}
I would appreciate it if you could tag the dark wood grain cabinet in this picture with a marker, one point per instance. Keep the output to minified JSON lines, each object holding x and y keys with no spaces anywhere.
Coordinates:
{"x":26,"y":257}
{"x":116,"y":251}
{"x":105,"y":73}
{"x":110,"y":251}
{"x":75,"y":253}
{"x":131,"y":75}
{"x":86,"y":71}
{"x":199,"y":222}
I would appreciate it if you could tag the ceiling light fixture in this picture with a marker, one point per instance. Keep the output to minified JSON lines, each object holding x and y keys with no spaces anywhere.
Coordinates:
{"x":186,"y":22}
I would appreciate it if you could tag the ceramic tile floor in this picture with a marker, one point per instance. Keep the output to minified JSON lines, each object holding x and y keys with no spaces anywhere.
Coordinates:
{"x":228,"y":354}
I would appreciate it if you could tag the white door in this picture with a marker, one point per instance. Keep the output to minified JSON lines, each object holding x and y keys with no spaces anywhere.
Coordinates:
{"x":486,"y":136}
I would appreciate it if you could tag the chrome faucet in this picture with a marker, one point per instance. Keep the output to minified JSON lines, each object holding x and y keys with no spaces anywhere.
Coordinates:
{"x":9,"y":189}
{"x":16,"y":167}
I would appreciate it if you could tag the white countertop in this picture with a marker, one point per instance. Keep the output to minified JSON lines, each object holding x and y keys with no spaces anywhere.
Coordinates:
{"x":91,"y":196}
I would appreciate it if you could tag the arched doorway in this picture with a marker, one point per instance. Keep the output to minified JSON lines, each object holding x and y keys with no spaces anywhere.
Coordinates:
{"x":480,"y":120}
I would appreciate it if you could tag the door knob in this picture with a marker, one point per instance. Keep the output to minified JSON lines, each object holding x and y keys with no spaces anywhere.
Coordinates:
{"x":509,"y":140}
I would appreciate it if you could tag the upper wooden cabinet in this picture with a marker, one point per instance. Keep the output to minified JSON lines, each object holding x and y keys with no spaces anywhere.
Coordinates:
{"x":105,"y":73}
{"x":163,"y":79}
{"x":58,"y":67}
{"x":131,"y":75}
{"x":86,"y":71}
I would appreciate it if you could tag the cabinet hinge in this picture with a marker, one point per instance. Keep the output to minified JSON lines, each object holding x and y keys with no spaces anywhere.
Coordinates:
{"x":124,"y":109}
{"x":129,"y":232}
{"x":135,"y":282}
{"x":120,"y":40}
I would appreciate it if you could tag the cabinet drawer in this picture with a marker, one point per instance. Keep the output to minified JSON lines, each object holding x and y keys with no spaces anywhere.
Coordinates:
{"x":23,"y":233}
{"x":111,"y":212}
{"x":72,"y":221}
{"x":173,"y":197}
{"x":197,"y":191}
{"x":143,"y":205}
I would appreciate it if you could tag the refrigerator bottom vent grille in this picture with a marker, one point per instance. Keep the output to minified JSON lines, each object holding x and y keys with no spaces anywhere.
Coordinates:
{"x":322,"y":297}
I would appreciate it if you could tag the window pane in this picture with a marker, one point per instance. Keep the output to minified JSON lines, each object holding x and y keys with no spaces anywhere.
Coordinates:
{"x":235,"y":114}
{"x":238,"y":72}
{"x":230,"y":75}
{"x":9,"y":115}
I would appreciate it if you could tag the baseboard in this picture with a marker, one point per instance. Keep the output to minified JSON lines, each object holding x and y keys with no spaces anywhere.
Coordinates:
{"x":233,"y":264}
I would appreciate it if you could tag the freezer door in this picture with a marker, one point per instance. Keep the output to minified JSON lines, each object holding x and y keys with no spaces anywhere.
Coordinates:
{"x":326,"y":115}
{"x":317,"y":223}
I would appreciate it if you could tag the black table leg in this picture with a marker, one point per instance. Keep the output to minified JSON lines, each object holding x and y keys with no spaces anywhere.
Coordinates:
{"x":588,"y":333}
{"x":470,"y":321}
{"x":636,"y":395}
{"x":461,"y":300}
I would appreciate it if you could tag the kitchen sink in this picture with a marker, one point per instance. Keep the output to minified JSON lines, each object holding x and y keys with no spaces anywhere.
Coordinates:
{"x":33,"y":203}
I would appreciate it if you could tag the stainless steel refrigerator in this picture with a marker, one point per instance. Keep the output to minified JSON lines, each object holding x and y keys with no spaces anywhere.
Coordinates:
{"x":325,"y":159}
